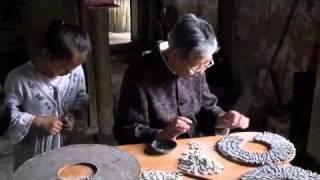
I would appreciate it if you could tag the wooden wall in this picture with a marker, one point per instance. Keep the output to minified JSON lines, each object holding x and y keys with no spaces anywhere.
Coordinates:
{"x":270,"y":41}
{"x":13,"y":43}
{"x":39,"y":13}
{"x":313,"y":147}
{"x":119,"y":17}
{"x":206,"y":9}
{"x":255,"y":40}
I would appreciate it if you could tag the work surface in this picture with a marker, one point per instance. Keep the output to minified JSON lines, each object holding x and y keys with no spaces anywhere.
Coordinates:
{"x":169,"y":161}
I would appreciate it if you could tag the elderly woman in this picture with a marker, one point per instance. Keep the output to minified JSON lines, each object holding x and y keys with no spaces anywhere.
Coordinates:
{"x":41,"y":92}
{"x":163,"y":94}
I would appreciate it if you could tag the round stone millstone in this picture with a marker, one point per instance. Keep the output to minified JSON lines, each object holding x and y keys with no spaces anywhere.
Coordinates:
{"x":279,"y":149}
{"x":109,"y":163}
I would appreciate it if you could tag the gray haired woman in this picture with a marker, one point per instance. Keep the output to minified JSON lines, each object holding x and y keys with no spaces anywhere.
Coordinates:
{"x":163,"y":94}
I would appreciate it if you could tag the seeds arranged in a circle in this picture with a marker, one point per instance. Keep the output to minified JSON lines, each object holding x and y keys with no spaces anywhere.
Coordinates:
{"x":280,"y":149}
{"x":274,"y":171}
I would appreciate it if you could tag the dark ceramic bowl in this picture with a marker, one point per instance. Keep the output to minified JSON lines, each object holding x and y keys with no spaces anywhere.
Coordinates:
{"x":163,"y":146}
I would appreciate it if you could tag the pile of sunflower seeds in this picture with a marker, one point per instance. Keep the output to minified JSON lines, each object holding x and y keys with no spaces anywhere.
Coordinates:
{"x":160,"y":175}
{"x":195,"y":162}
{"x":271,"y":172}
{"x":280,"y":149}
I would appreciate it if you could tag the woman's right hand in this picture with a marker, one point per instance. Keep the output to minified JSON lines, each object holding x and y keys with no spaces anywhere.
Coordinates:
{"x":51,"y":124}
{"x":175,"y":127}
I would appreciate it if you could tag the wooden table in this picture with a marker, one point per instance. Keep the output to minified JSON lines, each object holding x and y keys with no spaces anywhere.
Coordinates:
{"x":169,"y":162}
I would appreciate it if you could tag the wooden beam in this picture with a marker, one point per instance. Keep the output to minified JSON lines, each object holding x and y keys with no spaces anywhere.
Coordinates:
{"x":139,"y":21}
{"x":313,"y":147}
{"x":90,"y":73}
{"x":100,"y":72}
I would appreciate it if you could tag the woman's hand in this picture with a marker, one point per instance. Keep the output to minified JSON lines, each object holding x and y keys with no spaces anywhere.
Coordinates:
{"x":232,"y":119}
{"x":175,"y":127}
{"x":52,"y":125}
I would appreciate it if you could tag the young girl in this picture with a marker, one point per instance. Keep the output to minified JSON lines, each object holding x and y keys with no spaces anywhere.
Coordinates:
{"x":42,"y":91}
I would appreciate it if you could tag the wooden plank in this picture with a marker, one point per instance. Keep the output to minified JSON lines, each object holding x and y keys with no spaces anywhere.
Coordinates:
{"x":206,"y":9}
{"x":93,"y":117}
{"x":313,"y":147}
{"x":139,"y":28}
{"x":90,"y":72}
{"x":134,"y":20}
{"x":168,"y":162}
{"x":119,"y":17}
{"x":97,"y":26}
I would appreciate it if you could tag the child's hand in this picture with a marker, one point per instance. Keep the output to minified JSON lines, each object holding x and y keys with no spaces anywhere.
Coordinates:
{"x":68,"y":122}
{"x":51,"y":124}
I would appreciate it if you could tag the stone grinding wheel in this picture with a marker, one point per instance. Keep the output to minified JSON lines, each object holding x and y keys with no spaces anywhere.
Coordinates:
{"x":110,"y":163}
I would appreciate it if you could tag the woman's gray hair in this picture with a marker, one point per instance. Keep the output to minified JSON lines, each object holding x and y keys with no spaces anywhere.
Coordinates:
{"x":192,"y":37}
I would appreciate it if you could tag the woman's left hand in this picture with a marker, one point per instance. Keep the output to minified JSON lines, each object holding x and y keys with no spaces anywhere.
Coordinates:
{"x":232,"y":119}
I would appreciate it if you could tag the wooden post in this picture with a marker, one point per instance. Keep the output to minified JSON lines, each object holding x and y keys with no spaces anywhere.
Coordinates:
{"x":97,"y":25}
{"x":313,"y":147}
{"x":90,"y":72}
{"x":139,"y":23}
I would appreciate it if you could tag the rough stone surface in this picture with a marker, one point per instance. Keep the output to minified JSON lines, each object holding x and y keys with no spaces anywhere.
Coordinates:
{"x":111,"y":163}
